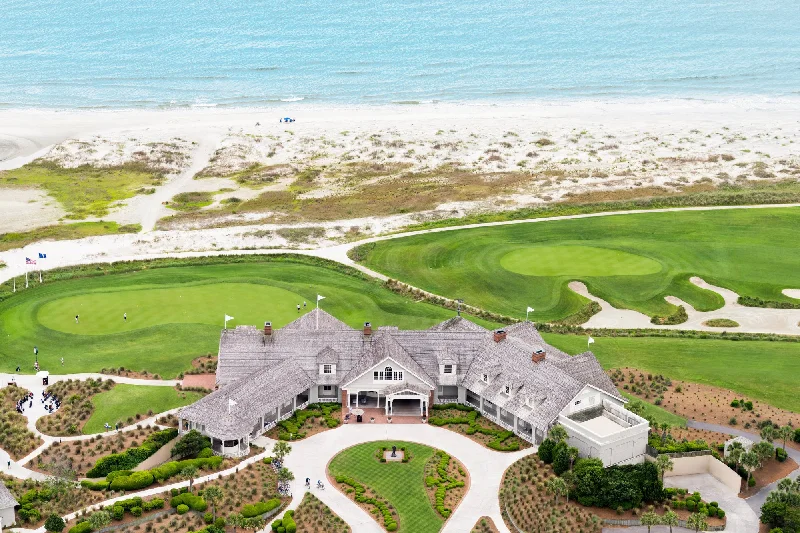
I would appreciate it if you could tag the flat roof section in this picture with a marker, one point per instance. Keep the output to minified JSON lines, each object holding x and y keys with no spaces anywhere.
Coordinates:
{"x":601,"y":426}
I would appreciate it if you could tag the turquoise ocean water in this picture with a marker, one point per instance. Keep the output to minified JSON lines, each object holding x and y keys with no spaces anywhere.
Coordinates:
{"x":112,"y":53}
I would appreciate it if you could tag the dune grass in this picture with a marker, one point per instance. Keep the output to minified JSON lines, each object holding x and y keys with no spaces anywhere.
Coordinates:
{"x":402,"y":484}
{"x":763,"y":370}
{"x":63,"y":232}
{"x":123,"y":402}
{"x":86,"y":190}
{"x":175,"y":314}
{"x":727,"y":248}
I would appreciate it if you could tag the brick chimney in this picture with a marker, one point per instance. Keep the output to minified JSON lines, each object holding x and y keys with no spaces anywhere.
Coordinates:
{"x":538,"y":356}
{"x":267,"y":328}
{"x":499,"y":335}
{"x":367,"y":328}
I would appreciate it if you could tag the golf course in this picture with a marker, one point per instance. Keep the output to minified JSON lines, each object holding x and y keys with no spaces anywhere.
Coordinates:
{"x":175,"y":314}
{"x":632,"y":261}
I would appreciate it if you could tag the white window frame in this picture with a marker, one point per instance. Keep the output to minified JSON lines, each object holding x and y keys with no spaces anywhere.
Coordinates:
{"x":327,"y":368}
{"x":448,"y":369}
{"x":486,"y":378}
{"x":508,"y":389}
{"x":387,"y":374}
{"x":327,"y":388}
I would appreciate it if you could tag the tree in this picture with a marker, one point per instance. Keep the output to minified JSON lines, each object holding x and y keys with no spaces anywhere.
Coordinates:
{"x":236,"y":520}
{"x":697,"y":521}
{"x":764,"y":450}
{"x":99,"y":520}
{"x":561,"y":459}
{"x":285,"y":475}
{"x":190,"y":444}
{"x":557,"y":487}
{"x":255,"y":523}
{"x":735,"y":452}
{"x":54,"y":524}
{"x":281,"y":450}
{"x":670,"y":518}
{"x":650,"y":519}
{"x":558,"y":434}
{"x":664,"y":464}
{"x":213,"y":494}
{"x":190,"y":472}
{"x":546,"y":449}
{"x":784,"y":433}
{"x":664,"y":428}
{"x":750,"y":462}
{"x":768,"y":433}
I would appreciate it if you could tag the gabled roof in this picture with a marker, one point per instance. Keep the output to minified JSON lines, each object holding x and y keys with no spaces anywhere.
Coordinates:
{"x":319,"y":320}
{"x":327,"y":355}
{"x":403,"y":386}
{"x":457,"y":323}
{"x":385,"y":347}
{"x":7,"y":499}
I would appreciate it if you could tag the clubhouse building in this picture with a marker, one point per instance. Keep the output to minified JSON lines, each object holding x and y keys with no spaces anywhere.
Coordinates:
{"x":511,"y":376}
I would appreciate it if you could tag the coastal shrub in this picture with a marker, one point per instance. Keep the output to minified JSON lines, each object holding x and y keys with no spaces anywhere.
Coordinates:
{"x":130,"y":503}
{"x":208,"y":518}
{"x":257,"y":509}
{"x":92,"y":485}
{"x":780,"y":454}
{"x":134,"y":481}
{"x":191,"y":444}
{"x":470,"y":419}
{"x":290,"y":428}
{"x":182,"y":509}
{"x":546,"y":450}
{"x":133,"y":456}
{"x":388,"y":520}
{"x":625,"y":486}
{"x":673,"y":446}
{"x":194,"y":502}
{"x":173,"y":468}
{"x":81,"y":527}
{"x":285,"y":524}
{"x":155,"y":503}
{"x":443,"y":482}
{"x":136,"y":511}
{"x":117,"y":512}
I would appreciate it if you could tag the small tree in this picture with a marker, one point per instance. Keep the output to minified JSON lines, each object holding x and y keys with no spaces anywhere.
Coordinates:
{"x":750,"y":462}
{"x":235,"y":520}
{"x":697,"y":521}
{"x":768,"y":433}
{"x":558,"y":434}
{"x":190,"y":472}
{"x":664,"y":428}
{"x":54,"y":524}
{"x":99,"y":520}
{"x":213,"y":494}
{"x":784,"y":433}
{"x":650,"y":519}
{"x":735,"y":452}
{"x":557,"y":487}
{"x":281,"y":450}
{"x":764,"y":450}
{"x":670,"y":518}
{"x":285,"y":475}
{"x":190,"y":444}
{"x":664,"y":464}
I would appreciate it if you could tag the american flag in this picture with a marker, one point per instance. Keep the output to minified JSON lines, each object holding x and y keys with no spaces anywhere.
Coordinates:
{"x":29,"y":261}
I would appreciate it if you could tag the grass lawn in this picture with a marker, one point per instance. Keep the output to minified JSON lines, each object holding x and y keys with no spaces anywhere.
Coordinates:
{"x":175,"y":314}
{"x":657,"y":413}
{"x":402,"y":484}
{"x":763,"y":370}
{"x":125,"y":401}
{"x":632,"y":261}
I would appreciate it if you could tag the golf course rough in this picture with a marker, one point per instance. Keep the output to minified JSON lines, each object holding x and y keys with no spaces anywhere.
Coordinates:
{"x":633,"y":261}
{"x":175,"y":313}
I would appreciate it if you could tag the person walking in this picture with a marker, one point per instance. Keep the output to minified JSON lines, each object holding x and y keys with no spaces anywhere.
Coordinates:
{"x":304,"y":304}
{"x":125,"y":317}
{"x":298,"y":308}
{"x":9,"y":464}
{"x":76,"y":319}
{"x":62,"y":361}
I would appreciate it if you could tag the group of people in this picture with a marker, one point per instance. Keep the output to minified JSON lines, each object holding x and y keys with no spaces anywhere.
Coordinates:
{"x":51,"y":402}
{"x":27,"y":399}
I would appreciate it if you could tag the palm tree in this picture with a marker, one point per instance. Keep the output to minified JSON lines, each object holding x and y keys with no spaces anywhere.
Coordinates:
{"x":190,"y":472}
{"x":213,"y":494}
{"x":670,"y":519}
{"x":750,"y":462}
{"x":764,"y":450}
{"x":784,"y":433}
{"x":558,"y":434}
{"x":557,"y":487}
{"x":664,"y":464}
{"x":735,"y":452}
{"x":697,"y":521}
{"x":236,"y":520}
{"x":768,"y":433}
{"x":572,"y":453}
{"x":650,"y":519}
{"x":664,"y":428}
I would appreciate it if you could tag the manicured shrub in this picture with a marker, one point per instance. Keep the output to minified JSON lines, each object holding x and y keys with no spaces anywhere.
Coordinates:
{"x":130,"y":503}
{"x":205,"y":453}
{"x":136,"y":511}
{"x":182,"y":509}
{"x":91,"y":485}
{"x":546,"y":450}
{"x":194,"y":502}
{"x":117,"y":512}
{"x":155,"y":503}
{"x":751,"y":482}
{"x":191,"y":444}
{"x":134,"y":481}
{"x":208,"y":518}
{"x":132,"y":457}
{"x":780,"y":454}
{"x":82,"y":527}
{"x":258,"y":509}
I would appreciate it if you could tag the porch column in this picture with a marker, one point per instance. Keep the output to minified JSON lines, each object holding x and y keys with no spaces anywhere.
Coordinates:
{"x":294,"y":403}
{"x":481,"y":404}
{"x":421,"y":407}
{"x":180,"y":425}
{"x":386,"y":406}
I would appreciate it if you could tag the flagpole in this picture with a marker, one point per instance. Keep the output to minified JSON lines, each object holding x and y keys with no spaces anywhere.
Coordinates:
{"x":26,"y":279}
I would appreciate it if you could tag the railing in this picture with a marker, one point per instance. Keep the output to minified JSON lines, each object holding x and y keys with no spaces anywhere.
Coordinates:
{"x":652,"y":452}
{"x":301,"y":406}
{"x":638,"y":522}
{"x":440,"y":400}
{"x":332,"y":399}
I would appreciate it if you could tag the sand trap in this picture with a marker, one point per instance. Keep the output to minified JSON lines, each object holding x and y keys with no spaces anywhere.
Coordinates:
{"x":792,"y":293}
{"x":25,"y":209}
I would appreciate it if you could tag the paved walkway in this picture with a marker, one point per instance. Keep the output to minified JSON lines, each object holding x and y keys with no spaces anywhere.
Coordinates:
{"x":163,"y":455}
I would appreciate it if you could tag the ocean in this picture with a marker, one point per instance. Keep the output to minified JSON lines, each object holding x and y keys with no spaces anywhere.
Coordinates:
{"x":147,"y":53}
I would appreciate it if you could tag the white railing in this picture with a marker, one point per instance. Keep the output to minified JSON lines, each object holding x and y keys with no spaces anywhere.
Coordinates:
{"x":301,"y":406}
{"x":442,"y":401}
{"x":333,"y":399}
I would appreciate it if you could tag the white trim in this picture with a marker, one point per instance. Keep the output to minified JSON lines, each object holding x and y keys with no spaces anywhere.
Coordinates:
{"x":387,"y":358}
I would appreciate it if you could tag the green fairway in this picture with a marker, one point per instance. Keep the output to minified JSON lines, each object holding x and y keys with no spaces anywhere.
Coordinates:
{"x":400,"y":483}
{"x":656,"y":413}
{"x":761,"y":370}
{"x":633,"y":261}
{"x":176,"y":313}
{"x":124,"y":401}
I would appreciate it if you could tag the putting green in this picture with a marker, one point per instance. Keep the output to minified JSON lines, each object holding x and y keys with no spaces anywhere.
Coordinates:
{"x":102,"y":312}
{"x":577,"y":261}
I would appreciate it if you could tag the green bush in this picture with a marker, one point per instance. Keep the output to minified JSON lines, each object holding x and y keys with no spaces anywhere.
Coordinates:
{"x":136,"y":511}
{"x":546,"y":450}
{"x":191,"y":444}
{"x":82,"y":527}
{"x":130,"y":503}
{"x":134,"y":481}
{"x":155,"y":503}
{"x":720,"y":513}
{"x":673,"y":446}
{"x":290,"y":428}
{"x":285,"y":524}
{"x":92,"y":485}
{"x":194,"y":502}
{"x":117,"y":512}
{"x":780,"y":454}
{"x":208,"y":518}
{"x":205,"y":453}
{"x":134,"y":456}
{"x":258,"y":509}
{"x":182,"y":509}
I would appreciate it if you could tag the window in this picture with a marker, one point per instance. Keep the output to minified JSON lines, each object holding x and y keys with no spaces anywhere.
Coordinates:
{"x":485,"y":378}
{"x":577,"y":402}
{"x":508,"y":389}
{"x":327,"y":388}
{"x":448,"y":369}
{"x":327,"y":369}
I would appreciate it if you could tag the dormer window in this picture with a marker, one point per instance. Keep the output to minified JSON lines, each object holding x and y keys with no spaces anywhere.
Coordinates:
{"x":508,"y":389}
{"x":388,"y":374}
{"x":486,"y":378}
{"x":327,"y":369}
{"x":448,"y":369}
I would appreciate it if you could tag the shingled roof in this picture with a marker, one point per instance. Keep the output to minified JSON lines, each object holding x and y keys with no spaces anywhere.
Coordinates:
{"x":266,"y":370}
{"x":7,"y":499}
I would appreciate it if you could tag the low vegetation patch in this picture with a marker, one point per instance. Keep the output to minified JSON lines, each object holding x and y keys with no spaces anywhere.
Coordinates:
{"x":76,"y":406}
{"x":133,"y":455}
{"x":721,"y":323}
{"x":446,"y":481}
{"x":191,"y":201}
{"x":468,"y":421}
{"x":40,"y":499}
{"x":14,"y":435}
{"x":64,"y":232}
{"x":485,"y":525}
{"x":313,"y":516}
{"x":315,"y":418}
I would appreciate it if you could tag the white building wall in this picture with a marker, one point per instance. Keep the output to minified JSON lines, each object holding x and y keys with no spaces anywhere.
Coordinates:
{"x":365,"y":382}
{"x":7,"y":516}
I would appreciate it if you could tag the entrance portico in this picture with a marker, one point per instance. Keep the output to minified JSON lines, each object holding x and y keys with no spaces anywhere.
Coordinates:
{"x":403,"y":397}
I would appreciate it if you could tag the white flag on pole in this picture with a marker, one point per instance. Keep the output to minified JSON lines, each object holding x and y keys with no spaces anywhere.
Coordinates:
{"x":320,"y":297}
{"x":228,"y":317}
{"x":591,"y":341}
{"x":530,"y":310}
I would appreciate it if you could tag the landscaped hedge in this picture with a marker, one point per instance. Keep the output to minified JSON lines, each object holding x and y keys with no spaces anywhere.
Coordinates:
{"x":285,"y":524}
{"x":290,"y":428}
{"x":471,"y":418}
{"x":134,"y":481}
{"x":83,"y":527}
{"x":625,"y":486}
{"x":252,"y":510}
{"x":92,"y":485}
{"x":134,"y":456}
{"x":673,"y":446}
{"x":388,"y":520}
{"x":444,"y":483}
{"x":193,"y":501}
{"x":127,"y":480}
